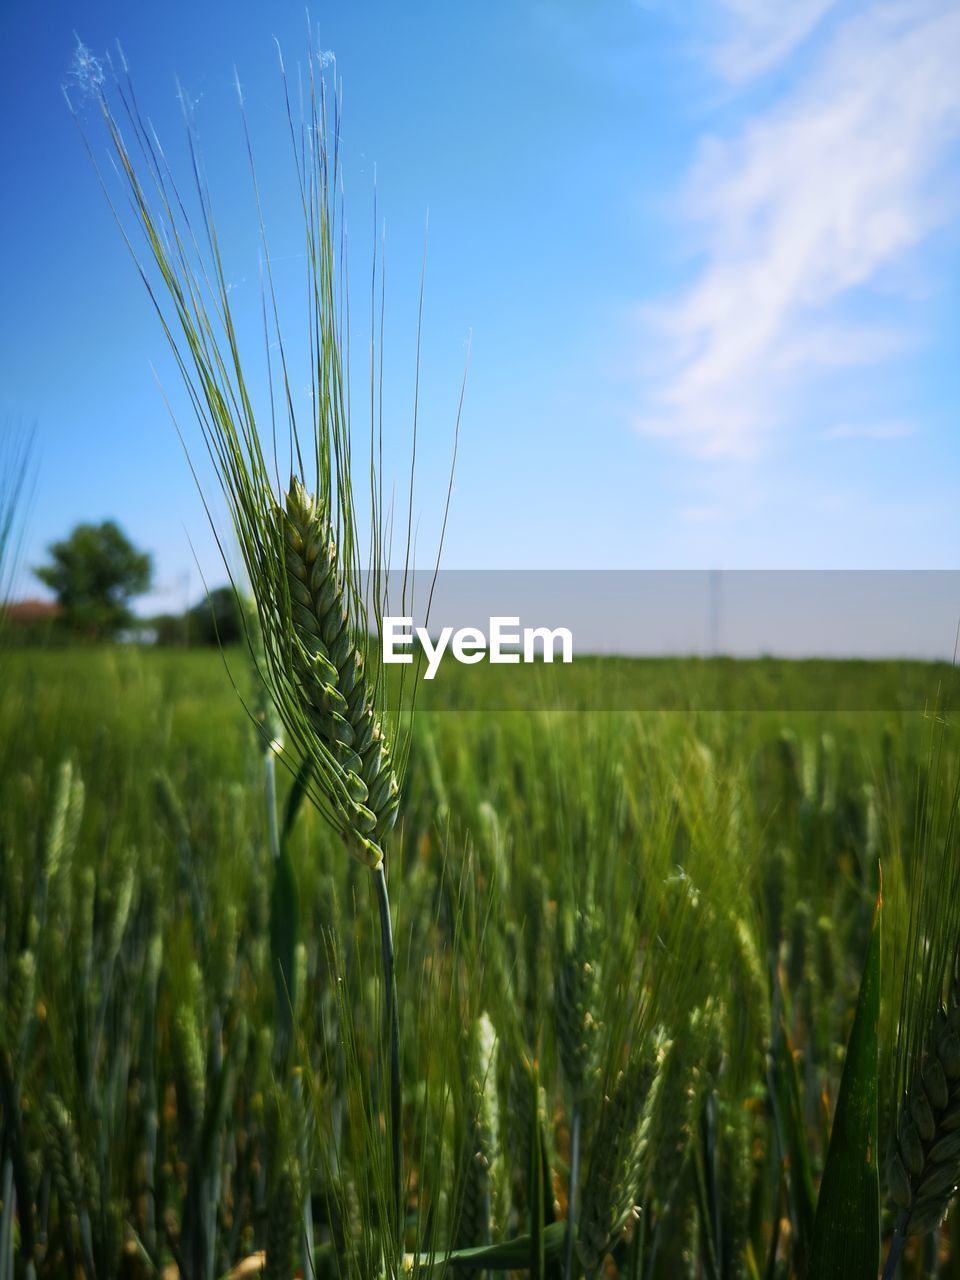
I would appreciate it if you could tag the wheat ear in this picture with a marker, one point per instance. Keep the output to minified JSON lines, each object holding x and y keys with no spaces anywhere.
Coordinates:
{"x":619,"y":1147}
{"x":336,"y":696}
{"x":924,"y":1164}
{"x":483,"y":1207}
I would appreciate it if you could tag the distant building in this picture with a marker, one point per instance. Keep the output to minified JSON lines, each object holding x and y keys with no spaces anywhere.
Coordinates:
{"x":32,"y":613}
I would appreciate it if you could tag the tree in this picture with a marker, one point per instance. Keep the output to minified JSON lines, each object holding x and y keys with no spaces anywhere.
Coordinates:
{"x":217,"y":619}
{"x":95,"y":574}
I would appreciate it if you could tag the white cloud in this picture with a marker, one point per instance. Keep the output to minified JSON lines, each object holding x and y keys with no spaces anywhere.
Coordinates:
{"x":762,"y":33}
{"x":811,"y":202}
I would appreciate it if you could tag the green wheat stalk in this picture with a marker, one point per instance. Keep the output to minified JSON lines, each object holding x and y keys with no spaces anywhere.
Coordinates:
{"x":300,"y":542}
{"x":923,"y":1159}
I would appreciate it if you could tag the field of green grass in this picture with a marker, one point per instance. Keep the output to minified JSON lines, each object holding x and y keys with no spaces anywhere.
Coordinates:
{"x":637,"y":933}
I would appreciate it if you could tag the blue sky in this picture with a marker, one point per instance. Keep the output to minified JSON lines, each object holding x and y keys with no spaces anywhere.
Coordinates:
{"x":708,"y":264}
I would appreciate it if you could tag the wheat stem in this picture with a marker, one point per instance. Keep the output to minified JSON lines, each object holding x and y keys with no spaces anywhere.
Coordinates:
{"x":896,"y":1246}
{"x":575,"y":1122}
{"x":270,"y":786}
{"x":391,"y":1018}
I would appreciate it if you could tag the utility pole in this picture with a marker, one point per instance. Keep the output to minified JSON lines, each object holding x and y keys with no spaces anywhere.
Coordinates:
{"x":714,"y":594}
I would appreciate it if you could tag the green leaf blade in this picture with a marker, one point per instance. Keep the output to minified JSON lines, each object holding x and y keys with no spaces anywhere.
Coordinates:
{"x":846,"y":1233}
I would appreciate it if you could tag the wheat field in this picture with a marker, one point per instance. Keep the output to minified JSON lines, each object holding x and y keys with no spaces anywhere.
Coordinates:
{"x":646,"y":928}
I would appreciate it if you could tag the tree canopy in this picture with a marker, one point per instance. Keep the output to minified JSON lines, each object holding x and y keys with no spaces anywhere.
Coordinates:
{"x":217,"y":619}
{"x":95,"y":573}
